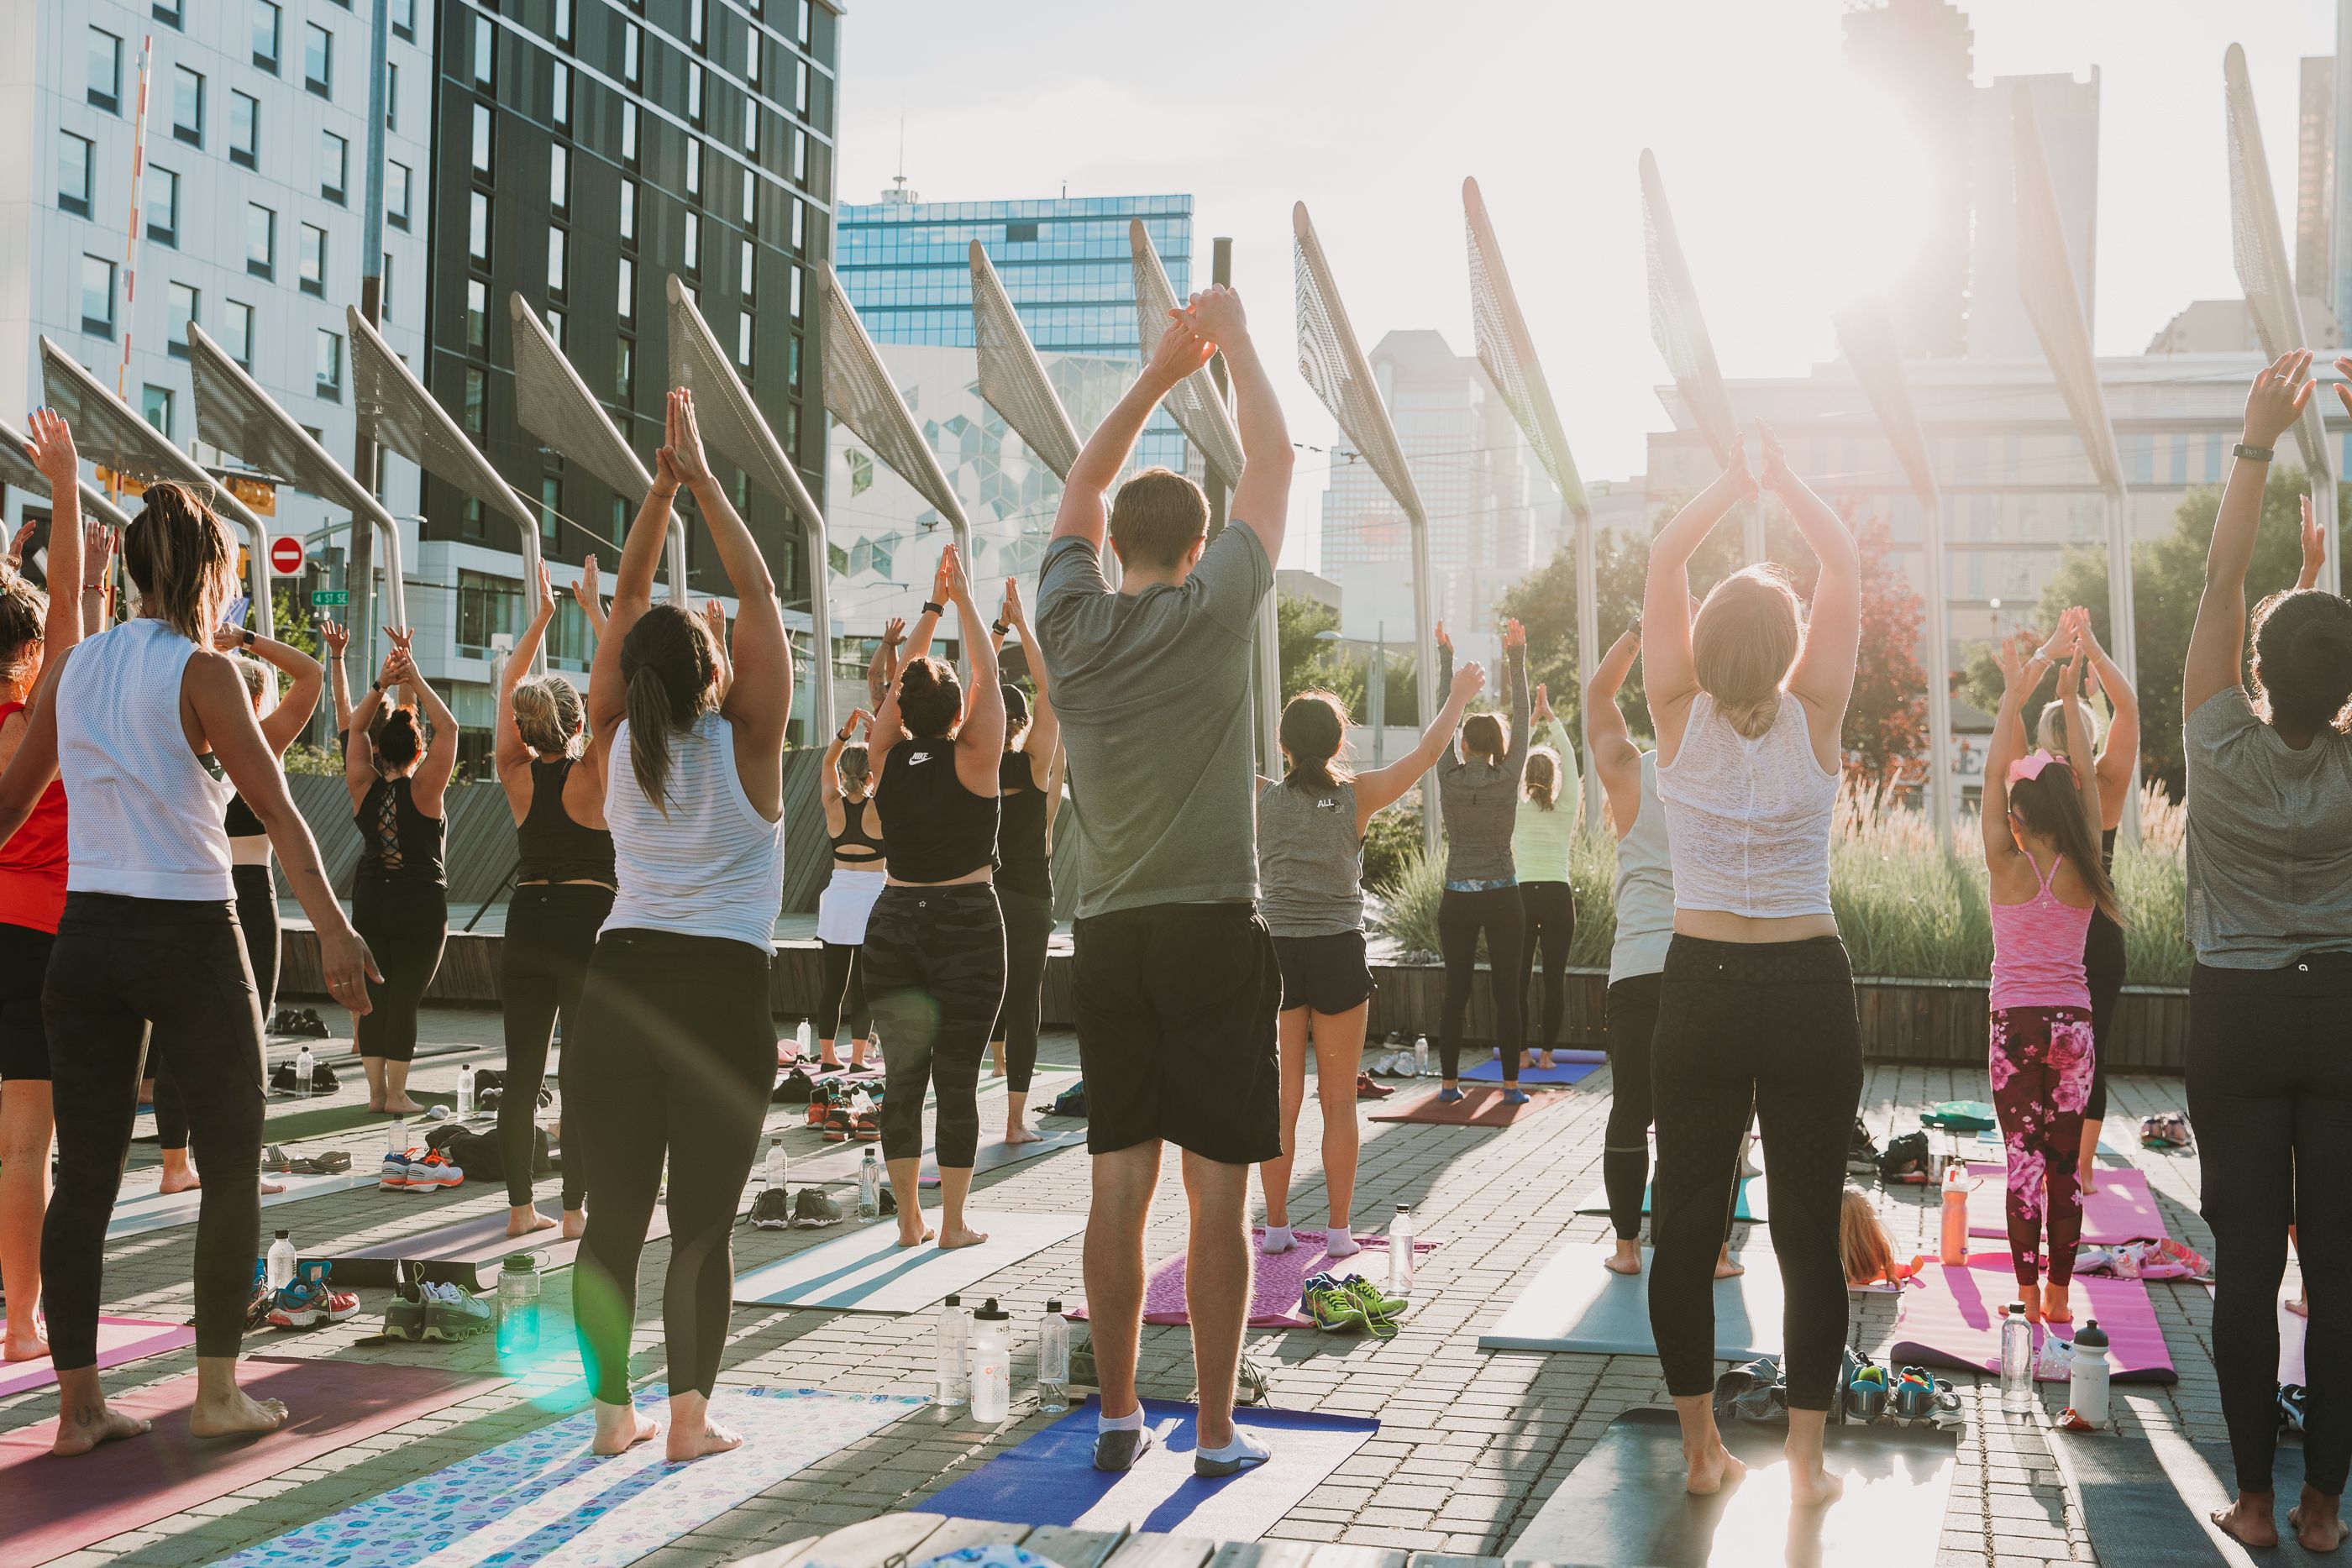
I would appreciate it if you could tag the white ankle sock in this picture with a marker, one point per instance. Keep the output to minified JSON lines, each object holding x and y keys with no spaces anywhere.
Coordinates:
{"x":1278,"y":1239}
{"x":1339,"y":1241}
{"x":1243,"y":1447}
{"x":1130,"y":1422}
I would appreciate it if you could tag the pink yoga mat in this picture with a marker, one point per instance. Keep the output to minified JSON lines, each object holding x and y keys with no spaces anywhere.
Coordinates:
{"x":2122,"y":1210}
{"x":1274,"y":1300}
{"x":54,"y":1506}
{"x":119,"y":1340}
{"x":1954,"y":1320}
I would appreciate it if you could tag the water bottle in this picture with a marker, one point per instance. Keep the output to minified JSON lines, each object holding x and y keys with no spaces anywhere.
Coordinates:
{"x":281,"y":1262}
{"x":2086,"y":1382}
{"x":869,"y":1186}
{"x":800,"y":1040}
{"x":2016,"y":1361}
{"x":304,"y":1065}
{"x":992,"y":1361}
{"x":465,"y":1090}
{"x":519,"y":1305}
{"x":1955,"y":1248}
{"x":773,"y":1174}
{"x":1420,"y":1056}
{"x":1401,"y":1250}
{"x":395,"y":1137}
{"x":955,"y":1383}
{"x":1053,"y":1361}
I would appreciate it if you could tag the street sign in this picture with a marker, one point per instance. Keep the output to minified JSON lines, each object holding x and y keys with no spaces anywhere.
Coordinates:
{"x":329,"y":599}
{"x":286,"y":555}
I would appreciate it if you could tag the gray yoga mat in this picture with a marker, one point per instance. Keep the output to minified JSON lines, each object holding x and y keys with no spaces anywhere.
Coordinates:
{"x":1623,"y":1505}
{"x":867,"y":1271}
{"x":2154,"y":1493}
{"x":1575,"y":1304}
{"x":1750,"y":1205}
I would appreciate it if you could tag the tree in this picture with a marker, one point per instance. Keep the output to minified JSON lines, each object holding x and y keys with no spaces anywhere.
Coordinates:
{"x":1308,"y":661}
{"x":1886,"y":720}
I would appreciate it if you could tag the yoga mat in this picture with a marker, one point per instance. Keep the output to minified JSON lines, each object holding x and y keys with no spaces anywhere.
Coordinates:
{"x":1276,"y":1281}
{"x":2123,"y":1209}
{"x":1479,"y":1106}
{"x":1751,"y":1204}
{"x":544,"y":1498}
{"x":867,"y":1271}
{"x":54,"y":1506}
{"x":1573,"y":1067}
{"x":466,"y":1252}
{"x":1051,"y":1479}
{"x":1955,"y":1321}
{"x":1625,"y":1503}
{"x":1575,"y":1304}
{"x":325,"y":1119}
{"x":161,"y":1210}
{"x":2155,"y":1492}
{"x":996,"y":1155}
{"x":119,"y":1340}
{"x":2291,"y":1327}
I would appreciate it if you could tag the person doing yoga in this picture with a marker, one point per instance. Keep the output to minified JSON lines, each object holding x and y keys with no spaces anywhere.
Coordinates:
{"x":860,"y":867}
{"x":400,"y":899}
{"x":1477,"y":785}
{"x":149,"y":941}
{"x":935,"y":947}
{"x":1541,"y":841}
{"x":676,"y":1053}
{"x":2270,"y":914}
{"x":1030,"y":796}
{"x":2040,"y":823}
{"x":1310,"y":873}
{"x":564,"y":881}
{"x":1756,"y":1011}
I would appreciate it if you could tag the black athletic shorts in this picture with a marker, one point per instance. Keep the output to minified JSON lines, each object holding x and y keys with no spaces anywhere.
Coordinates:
{"x":1175,"y":1005}
{"x":24,"y":1033}
{"x":1327,"y":974}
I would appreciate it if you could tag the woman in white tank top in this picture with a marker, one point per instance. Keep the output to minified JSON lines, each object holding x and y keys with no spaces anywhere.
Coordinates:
{"x":1756,"y":1013}
{"x":149,"y":941}
{"x":676,"y":1053}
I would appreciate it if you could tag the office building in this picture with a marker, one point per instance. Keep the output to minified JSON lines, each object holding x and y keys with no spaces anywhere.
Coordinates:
{"x":1920,"y":54}
{"x":2066,"y":113}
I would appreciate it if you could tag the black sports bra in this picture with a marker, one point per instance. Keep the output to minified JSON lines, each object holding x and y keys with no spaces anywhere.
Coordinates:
{"x":854,"y":844}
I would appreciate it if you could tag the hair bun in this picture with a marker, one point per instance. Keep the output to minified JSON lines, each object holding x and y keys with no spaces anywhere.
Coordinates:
{"x":2320,"y":654}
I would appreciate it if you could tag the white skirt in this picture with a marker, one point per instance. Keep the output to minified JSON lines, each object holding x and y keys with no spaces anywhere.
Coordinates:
{"x":842,"y":907}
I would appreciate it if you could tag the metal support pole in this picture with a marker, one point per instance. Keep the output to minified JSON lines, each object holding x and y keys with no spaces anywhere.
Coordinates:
{"x":1940,"y":804}
{"x":2322,"y":511}
{"x":1426,"y":683}
{"x":359,"y":571}
{"x":2122,"y":633}
{"x":1588,"y":654}
{"x":1376,"y":696}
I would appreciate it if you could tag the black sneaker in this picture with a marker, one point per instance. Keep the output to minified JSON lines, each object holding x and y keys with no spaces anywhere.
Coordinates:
{"x":403,"y":1318}
{"x":771,"y":1210}
{"x":811,"y":1210}
{"x":1119,"y":1450}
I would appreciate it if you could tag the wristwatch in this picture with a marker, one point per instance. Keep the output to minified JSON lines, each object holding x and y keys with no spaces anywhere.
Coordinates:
{"x":933,"y":606}
{"x":248,"y":636}
{"x":2252,"y":453}
{"x":999,"y":627}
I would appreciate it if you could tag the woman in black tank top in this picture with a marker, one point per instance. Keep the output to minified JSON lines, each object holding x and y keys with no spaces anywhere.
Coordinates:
{"x":854,"y":824}
{"x":1029,"y":781}
{"x":563,"y":890}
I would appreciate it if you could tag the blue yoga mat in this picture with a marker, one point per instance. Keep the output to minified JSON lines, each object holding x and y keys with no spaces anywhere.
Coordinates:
{"x":1751,"y":1204}
{"x":1051,"y":1478}
{"x":1570,"y":1071}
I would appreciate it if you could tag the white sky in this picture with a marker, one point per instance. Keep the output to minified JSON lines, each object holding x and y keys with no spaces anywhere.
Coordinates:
{"x":1373,"y":112}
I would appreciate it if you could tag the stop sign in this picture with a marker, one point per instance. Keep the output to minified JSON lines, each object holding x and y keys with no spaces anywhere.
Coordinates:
{"x":286,"y":555}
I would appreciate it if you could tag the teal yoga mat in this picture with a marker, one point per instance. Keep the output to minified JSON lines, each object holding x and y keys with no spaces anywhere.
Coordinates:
{"x":1752,"y":1202}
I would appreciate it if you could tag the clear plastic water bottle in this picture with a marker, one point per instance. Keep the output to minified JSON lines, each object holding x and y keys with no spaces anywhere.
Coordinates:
{"x":1401,"y":1250}
{"x":869,"y":1186}
{"x":281,"y":1262}
{"x":2016,"y":1361}
{"x":954,"y":1384}
{"x":305,"y":1064}
{"x":519,"y":1305}
{"x":1420,"y":1056}
{"x":800,"y":1040}
{"x":778,"y":1164}
{"x":992,"y":1361}
{"x":395,"y":1137}
{"x":466,"y":1090}
{"x":1053,"y":1361}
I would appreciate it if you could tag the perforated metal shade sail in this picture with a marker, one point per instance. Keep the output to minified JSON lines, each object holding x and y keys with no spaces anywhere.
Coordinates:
{"x":553,"y":404}
{"x":1012,"y":379}
{"x":16,"y":468}
{"x":733,"y":425}
{"x":1677,"y":325}
{"x":859,"y":392}
{"x":235,"y":414}
{"x":1199,"y":412}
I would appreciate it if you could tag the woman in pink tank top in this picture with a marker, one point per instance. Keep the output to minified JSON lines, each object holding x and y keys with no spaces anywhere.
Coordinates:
{"x":2041,"y":850}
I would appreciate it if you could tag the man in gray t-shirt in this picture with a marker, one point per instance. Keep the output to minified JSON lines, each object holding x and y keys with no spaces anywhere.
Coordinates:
{"x":1175,"y":986}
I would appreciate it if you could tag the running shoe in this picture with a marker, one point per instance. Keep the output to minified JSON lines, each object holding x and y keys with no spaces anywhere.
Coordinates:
{"x":310,"y":1300}
{"x":838,"y":1124}
{"x":1330,"y":1306}
{"x":395,"y":1169}
{"x":771,"y":1210}
{"x":812,"y":1210}
{"x":452,"y":1314}
{"x":866,"y":1127}
{"x":404,"y":1316}
{"x":1865,"y":1396}
{"x":433,"y":1171}
{"x":1380,"y":1308}
{"x":820,"y":1103}
{"x":2292,"y":1401}
{"x":1368,"y":1090}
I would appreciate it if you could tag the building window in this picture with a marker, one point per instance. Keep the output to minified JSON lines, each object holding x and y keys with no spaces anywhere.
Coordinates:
{"x":557,"y":260}
{"x":629,"y":212}
{"x":801,"y":32}
{"x":319,"y":59}
{"x":155,"y":408}
{"x":397,"y":179}
{"x":629,"y":134}
{"x":751,"y":127}
{"x":487,"y":607}
{"x":477,"y":400}
{"x":334,"y":166}
{"x":244,"y":129}
{"x":627,"y":299}
{"x":800,"y":157}
{"x":477,"y":316}
{"x":188,"y":106}
{"x":755,"y":46}
{"x":745,"y":283}
{"x":485,"y":52}
{"x":793,"y":363}
{"x":383,"y":293}
{"x":798,"y":286}
{"x":625,"y":370}
{"x":751,"y":200}
{"x":694,"y":95}
{"x":403,"y":19}
{"x":559,"y":178}
{"x":693,"y":168}
{"x":162,"y":206}
{"x":801,"y":88}
{"x":478,"y":230}
{"x":743,"y":342}
{"x":391,"y":97}
{"x":562,"y":101}
{"x":105,"y":87}
{"x":633,"y":60}
{"x":563,"y":23}
{"x":696,"y":30}
{"x":181,"y":303}
{"x":313,"y":260}
{"x":260,"y":240}
{"x":330,"y":380}
{"x":236,"y":327}
{"x":74,"y":178}
{"x":799,"y":222}
{"x":482,"y":152}
{"x":267,"y":24}
{"x":693,"y":242}
{"x":97,"y":296}
{"x":551,"y":507}
{"x":1020,"y":233}
{"x":558,"y":329}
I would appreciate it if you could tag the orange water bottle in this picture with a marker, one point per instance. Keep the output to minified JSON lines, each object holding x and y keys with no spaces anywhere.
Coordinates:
{"x":1954,"y":1248}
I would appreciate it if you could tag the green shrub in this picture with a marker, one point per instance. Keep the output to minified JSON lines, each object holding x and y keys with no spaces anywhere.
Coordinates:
{"x":1392,"y":840}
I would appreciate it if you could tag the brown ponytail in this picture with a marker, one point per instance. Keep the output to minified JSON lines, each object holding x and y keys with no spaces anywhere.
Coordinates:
{"x":1314,"y":729}
{"x":2051,"y":805}
{"x":180,"y":559}
{"x":1543,"y":776}
{"x":667,"y":660}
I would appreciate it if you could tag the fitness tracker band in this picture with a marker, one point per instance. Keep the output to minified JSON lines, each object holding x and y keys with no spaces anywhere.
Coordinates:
{"x":2252,"y":453}
{"x":933,"y":606}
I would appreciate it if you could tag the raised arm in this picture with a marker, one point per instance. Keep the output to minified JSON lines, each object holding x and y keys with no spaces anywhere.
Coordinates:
{"x":883,"y":668}
{"x":305,"y":678}
{"x":358,"y":750}
{"x":432,"y":774}
{"x":2217,"y":644}
{"x":2119,"y":754}
{"x":1044,"y":743}
{"x":1085,"y":510}
{"x":508,"y":753}
{"x":1614,"y":756}
{"x":980,"y":743}
{"x":1262,"y":494}
{"x":1822,"y":678}
{"x":2078,"y":736}
{"x":337,"y":638}
{"x":2021,"y":669}
{"x":1514,"y":673}
{"x":1669,"y":678}
{"x":590,"y":598}
{"x":1383,"y":787}
{"x":888,"y":729}
{"x":632,"y":595}
{"x":760,"y":664}
{"x":52,"y":452}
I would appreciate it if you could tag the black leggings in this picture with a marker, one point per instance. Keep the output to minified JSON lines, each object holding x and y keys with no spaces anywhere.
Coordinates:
{"x":121,"y":967}
{"x":543,"y":962}
{"x":2269,"y":1087}
{"x":844,"y":990}
{"x":2103,"y":965}
{"x":1028,"y":930}
{"x":1767,"y":1029}
{"x":405,"y":923}
{"x":1460,"y":919}
{"x":935,"y":960}
{"x":1548,"y":911}
{"x":1625,"y":1145}
{"x":674,"y":1056}
{"x":257,"y":912}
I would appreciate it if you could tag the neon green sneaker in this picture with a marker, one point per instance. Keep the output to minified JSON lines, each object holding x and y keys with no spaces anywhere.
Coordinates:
{"x":1377,"y":1301}
{"x":1332,"y":1308}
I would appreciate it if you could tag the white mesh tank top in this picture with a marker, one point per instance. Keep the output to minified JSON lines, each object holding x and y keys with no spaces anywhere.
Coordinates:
{"x":1645,"y":887}
{"x":714,"y":866}
{"x":153,"y":824}
{"x":1749,"y":820}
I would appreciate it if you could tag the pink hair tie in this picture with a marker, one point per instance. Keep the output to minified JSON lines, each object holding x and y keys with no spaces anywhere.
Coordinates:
{"x":2029,"y":765}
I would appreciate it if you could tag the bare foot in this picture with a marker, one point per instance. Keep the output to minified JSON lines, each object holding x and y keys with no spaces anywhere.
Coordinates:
{"x":1626,"y":1259}
{"x":1811,"y":1486}
{"x":181,"y":1179}
{"x":1725,"y":1268}
{"x":1017,"y":1133}
{"x":620,"y":1427}
{"x":2089,"y":1184}
{"x":575,"y":1224}
{"x":2054,"y":1306}
{"x":79,"y":1431}
{"x":271,"y":1188}
{"x":1527,"y":1059}
{"x":908,"y":1235}
{"x":1710,"y":1473}
{"x":375,"y":1104}
{"x":713,"y":1439}
{"x":963,"y":1235}
{"x":2299,"y":1307}
{"x":2248,"y":1521}
{"x":1547,"y":1063}
{"x":403,"y":1106}
{"x":234,"y":1416}
{"x":2316,"y":1524}
{"x":27,"y":1348}
{"x":523,"y":1221}
{"x":2032,"y":1296}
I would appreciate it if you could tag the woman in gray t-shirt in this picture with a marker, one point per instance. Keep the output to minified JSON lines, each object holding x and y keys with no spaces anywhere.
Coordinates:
{"x":2269,"y":913}
{"x":1310,"y":870}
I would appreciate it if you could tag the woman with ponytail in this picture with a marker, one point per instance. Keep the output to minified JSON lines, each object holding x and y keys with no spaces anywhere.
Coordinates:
{"x":400,"y":899}
{"x":563,"y":890}
{"x":1541,"y":841}
{"x":675,"y":1051}
{"x":2269,"y":914}
{"x":844,"y":793}
{"x":1310,"y":870}
{"x":1030,"y":782}
{"x":1477,"y":785}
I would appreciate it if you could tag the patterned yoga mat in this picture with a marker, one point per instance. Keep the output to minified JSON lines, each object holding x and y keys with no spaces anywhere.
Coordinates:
{"x":544,"y":1499}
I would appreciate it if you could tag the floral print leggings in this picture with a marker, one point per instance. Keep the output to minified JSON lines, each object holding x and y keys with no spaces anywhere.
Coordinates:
{"x":2042,"y":1062}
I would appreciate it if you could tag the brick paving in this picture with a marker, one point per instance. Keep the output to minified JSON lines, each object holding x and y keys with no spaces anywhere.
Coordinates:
{"x":1471,"y":1442}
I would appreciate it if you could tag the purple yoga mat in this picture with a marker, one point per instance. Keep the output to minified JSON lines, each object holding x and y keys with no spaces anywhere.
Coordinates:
{"x":1954,"y":1320}
{"x":1273,"y":1300}
{"x":2122,"y":1210}
{"x":119,"y":1340}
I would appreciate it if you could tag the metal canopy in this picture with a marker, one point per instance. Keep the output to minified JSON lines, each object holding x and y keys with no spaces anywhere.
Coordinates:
{"x":1199,"y":412}
{"x":1679,"y":329}
{"x":1013,"y":380}
{"x":859,"y":392}
{"x":16,"y":468}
